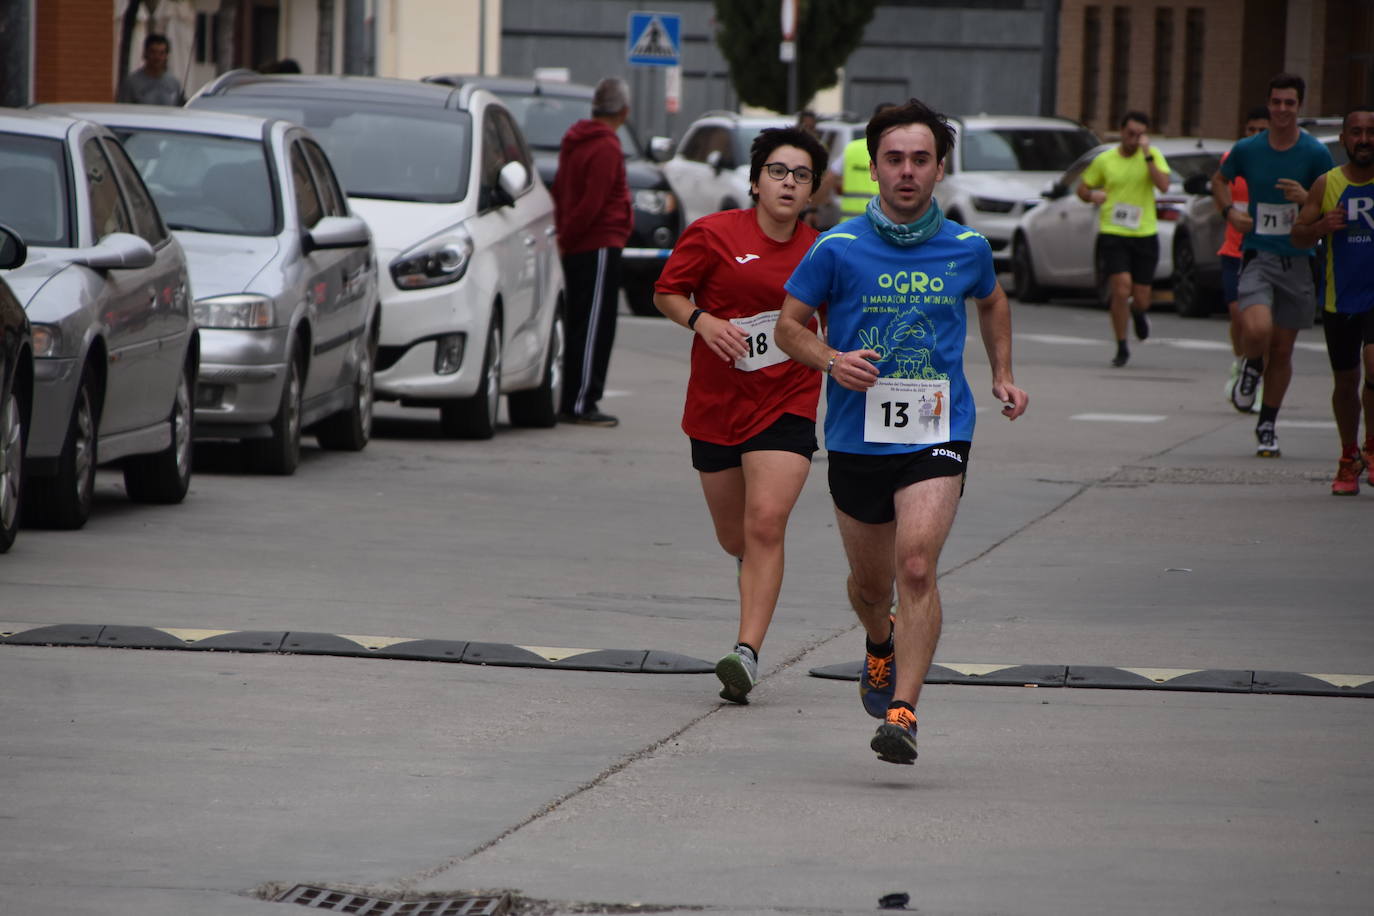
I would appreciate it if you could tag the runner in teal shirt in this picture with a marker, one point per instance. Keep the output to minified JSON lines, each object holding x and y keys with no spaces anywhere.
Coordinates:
{"x":1264,"y":168}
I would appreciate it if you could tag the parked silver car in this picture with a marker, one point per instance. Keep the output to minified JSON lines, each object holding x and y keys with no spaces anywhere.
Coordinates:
{"x":16,"y":391}
{"x":107,"y":291}
{"x":1053,"y":248}
{"x":284,"y":276}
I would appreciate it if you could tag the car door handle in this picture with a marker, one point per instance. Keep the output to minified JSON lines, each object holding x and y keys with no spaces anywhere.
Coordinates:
{"x":550,"y":231}
{"x":530,"y":241}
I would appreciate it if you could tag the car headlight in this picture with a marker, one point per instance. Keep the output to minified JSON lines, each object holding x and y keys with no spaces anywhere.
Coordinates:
{"x":993,"y":205}
{"x":656,"y":202}
{"x":47,"y":340}
{"x":238,"y":312}
{"x":434,"y":264}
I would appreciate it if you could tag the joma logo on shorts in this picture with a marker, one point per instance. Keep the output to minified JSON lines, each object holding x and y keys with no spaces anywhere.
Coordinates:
{"x":946,"y":453}
{"x":903,"y":282}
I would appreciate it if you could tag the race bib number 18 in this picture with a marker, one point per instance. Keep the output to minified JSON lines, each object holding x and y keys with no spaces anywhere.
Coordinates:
{"x":762,"y":351}
{"x":907,"y":411}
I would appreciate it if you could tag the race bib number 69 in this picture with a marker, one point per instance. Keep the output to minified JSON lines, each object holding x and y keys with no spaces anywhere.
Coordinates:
{"x":907,"y":411}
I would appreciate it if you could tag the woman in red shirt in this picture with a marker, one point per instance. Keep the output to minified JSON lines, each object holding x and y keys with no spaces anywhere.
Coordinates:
{"x":750,"y":410}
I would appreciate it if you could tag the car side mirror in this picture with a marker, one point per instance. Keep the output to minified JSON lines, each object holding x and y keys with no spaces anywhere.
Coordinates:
{"x":117,"y":251}
{"x":1054,"y":191}
{"x":13,"y":251}
{"x":337,"y":232}
{"x":1198,"y":184}
{"x":660,"y":149}
{"x":512,"y":180}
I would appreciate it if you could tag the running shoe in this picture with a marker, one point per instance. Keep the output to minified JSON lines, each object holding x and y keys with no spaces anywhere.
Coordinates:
{"x":1122,"y":355}
{"x":1266,"y":443}
{"x":1233,"y":377}
{"x":1347,"y":482}
{"x":878,"y":679}
{"x":1142,"y":324}
{"x":1243,"y":394}
{"x":895,"y":741}
{"x":738,"y":673}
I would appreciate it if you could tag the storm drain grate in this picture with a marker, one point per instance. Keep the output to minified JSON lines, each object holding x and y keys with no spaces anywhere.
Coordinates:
{"x":323,"y":898}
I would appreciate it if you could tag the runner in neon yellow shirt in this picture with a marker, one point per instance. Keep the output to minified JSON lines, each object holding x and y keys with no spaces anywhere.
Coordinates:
{"x":1122,"y":181}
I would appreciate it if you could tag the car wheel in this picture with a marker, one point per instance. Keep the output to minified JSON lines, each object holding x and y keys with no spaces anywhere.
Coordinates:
{"x":64,"y":500}
{"x":11,"y":469}
{"x":539,"y":407}
{"x":1187,"y":297}
{"x":165,"y":477}
{"x":639,"y":297}
{"x":1024,"y":286}
{"x":281,"y":452}
{"x":475,"y":417}
{"x":350,"y":430}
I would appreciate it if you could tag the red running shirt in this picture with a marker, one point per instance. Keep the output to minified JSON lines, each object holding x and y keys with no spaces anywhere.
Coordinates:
{"x":732,"y":270}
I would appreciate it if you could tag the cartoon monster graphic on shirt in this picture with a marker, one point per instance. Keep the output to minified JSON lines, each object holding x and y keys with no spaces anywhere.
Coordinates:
{"x":907,"y":341}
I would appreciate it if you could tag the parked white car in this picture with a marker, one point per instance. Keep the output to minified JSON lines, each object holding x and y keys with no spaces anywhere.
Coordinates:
{"x":999,"y":165}
{"x":1053,"y":247}
{"x":284,"y":276}
{"x":107,"y":292}
{"x":710,"y":171}
{"x":471,"y":283}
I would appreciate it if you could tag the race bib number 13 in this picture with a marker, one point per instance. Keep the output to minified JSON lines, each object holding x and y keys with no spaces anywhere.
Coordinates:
{"x":762,"y":351}
{"x":907,"y":411}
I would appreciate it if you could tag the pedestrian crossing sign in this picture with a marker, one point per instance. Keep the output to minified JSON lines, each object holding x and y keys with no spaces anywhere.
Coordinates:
{"x":654,"y":39}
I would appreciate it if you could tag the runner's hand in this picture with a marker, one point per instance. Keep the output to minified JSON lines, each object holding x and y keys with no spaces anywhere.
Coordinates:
{"x":722,"y":338}
{"x":856,"y":369}
{"x":1145,"y":145}
{"x":1331,"y":221}
{"x":1293,"y":191}
{"x":1014,"y":400}
{"x":1098,"y":195}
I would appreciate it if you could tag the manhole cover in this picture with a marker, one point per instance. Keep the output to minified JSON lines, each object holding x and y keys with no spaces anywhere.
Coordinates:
{"x":323,"y":898}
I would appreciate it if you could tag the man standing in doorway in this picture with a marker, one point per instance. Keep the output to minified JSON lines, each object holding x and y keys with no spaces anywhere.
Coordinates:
{"x":594,"y":219}
{"x":895,"y":279}
{"x":152,"y":84}
{"x":1277,"y":297}
{"x":1341,"y":205}
{"x":1122,"y":181}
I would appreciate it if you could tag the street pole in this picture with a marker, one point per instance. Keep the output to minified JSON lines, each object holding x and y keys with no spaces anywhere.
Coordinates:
{"x":787,"y":51}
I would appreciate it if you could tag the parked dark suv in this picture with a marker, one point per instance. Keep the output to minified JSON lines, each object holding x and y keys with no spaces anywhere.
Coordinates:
{"x":545,"y":110}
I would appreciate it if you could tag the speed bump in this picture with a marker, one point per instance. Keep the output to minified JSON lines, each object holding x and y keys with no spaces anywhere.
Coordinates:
{"x":1209,"y":681}
{"x":120,"y":637}
{"x":62,"y":634}
{"x":1345,"y":685}
{"x":487,"y":653}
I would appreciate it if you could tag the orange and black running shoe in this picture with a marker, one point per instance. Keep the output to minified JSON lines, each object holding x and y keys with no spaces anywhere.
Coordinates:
{"x":895,"y":741}
{"x":877,"y":680}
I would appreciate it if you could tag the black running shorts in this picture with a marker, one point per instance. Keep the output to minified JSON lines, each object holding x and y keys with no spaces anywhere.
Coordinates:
{"x":1346,"y":338}
{"x":789,"y":433}
{"x":1137,"y":256}
{"x":863,"y":486}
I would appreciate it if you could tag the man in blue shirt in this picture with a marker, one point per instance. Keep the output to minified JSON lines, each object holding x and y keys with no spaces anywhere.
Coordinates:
{"x":899,"y":416}
{"x":1277,"y":296}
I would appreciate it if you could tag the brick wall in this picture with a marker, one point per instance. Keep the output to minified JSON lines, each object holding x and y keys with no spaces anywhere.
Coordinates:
{"x":74,"y":51}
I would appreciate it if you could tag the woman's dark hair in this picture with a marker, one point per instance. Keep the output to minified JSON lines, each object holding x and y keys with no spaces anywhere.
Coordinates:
{"x":769,"y":140}
{"x":913,"y":112}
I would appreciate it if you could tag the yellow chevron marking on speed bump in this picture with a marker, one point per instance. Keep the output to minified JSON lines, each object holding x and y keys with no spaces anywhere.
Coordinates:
{"x":1344,"y":680}
{"x":556,"y":653}
{"x":373,"y":643}
{"x":1161,"y":675}
{"x":973,"y":670}
{"x":189,"y":634}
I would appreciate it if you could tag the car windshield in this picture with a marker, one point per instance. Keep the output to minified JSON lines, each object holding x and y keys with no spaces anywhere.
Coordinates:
{"x":1183,"y":166}
{"x":545,"y":118}
{"x":205,"y":183}
{"x":34,"y":190}
{"x":745,"y":135}
{"x":398,"y":152}
{"x":1028,"y":149}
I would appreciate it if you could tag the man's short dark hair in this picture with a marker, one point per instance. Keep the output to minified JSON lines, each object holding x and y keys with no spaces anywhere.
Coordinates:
{"x":1289,"y":81}
{"x":1358,"y":109}
{"x":1258,"y":113}
{"x":913,"y":112}
{"x":769,"y":140}
{"x":156,"y":38}
{"x":1139,"y":117}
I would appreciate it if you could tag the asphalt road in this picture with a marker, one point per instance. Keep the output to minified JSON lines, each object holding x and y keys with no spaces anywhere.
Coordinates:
{"x":1123,"y":523}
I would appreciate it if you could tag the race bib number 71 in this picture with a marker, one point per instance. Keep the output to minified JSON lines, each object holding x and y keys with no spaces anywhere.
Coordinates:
{"x":907,"y":411}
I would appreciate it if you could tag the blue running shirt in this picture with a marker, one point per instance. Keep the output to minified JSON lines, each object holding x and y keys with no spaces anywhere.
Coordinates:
{"x":1348,"y":264}
{"x":905,"y":303}
{"x":1262,"y":166}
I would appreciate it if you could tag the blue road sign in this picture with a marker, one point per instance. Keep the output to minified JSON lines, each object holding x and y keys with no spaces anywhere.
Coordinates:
{"x":654,"y":39}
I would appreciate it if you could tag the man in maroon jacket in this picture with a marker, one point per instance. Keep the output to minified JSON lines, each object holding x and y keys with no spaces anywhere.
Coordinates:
{"x":592,"y":204}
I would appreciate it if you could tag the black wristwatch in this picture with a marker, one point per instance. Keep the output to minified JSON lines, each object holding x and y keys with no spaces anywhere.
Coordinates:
{"x":692,"y":322}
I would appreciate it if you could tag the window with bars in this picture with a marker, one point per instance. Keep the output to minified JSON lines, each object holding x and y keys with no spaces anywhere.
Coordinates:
{"x":1194,"y":35}
{"x":1164,"y":72}
{"x":1121,"y":63}
{"x":1092,"y":63}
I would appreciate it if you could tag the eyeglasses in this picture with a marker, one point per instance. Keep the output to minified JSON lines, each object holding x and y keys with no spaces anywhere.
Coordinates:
{"x":777,"y":171}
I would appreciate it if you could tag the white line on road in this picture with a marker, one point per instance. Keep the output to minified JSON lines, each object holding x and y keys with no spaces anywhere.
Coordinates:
{"x":1120,"y":417}
{"x":1180,"y":343}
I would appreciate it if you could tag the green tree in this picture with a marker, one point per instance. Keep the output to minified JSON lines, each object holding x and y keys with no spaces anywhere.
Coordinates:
{"x":749,"y":34}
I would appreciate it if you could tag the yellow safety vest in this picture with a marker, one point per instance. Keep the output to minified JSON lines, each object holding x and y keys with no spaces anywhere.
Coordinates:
{"x":857,"y":186}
